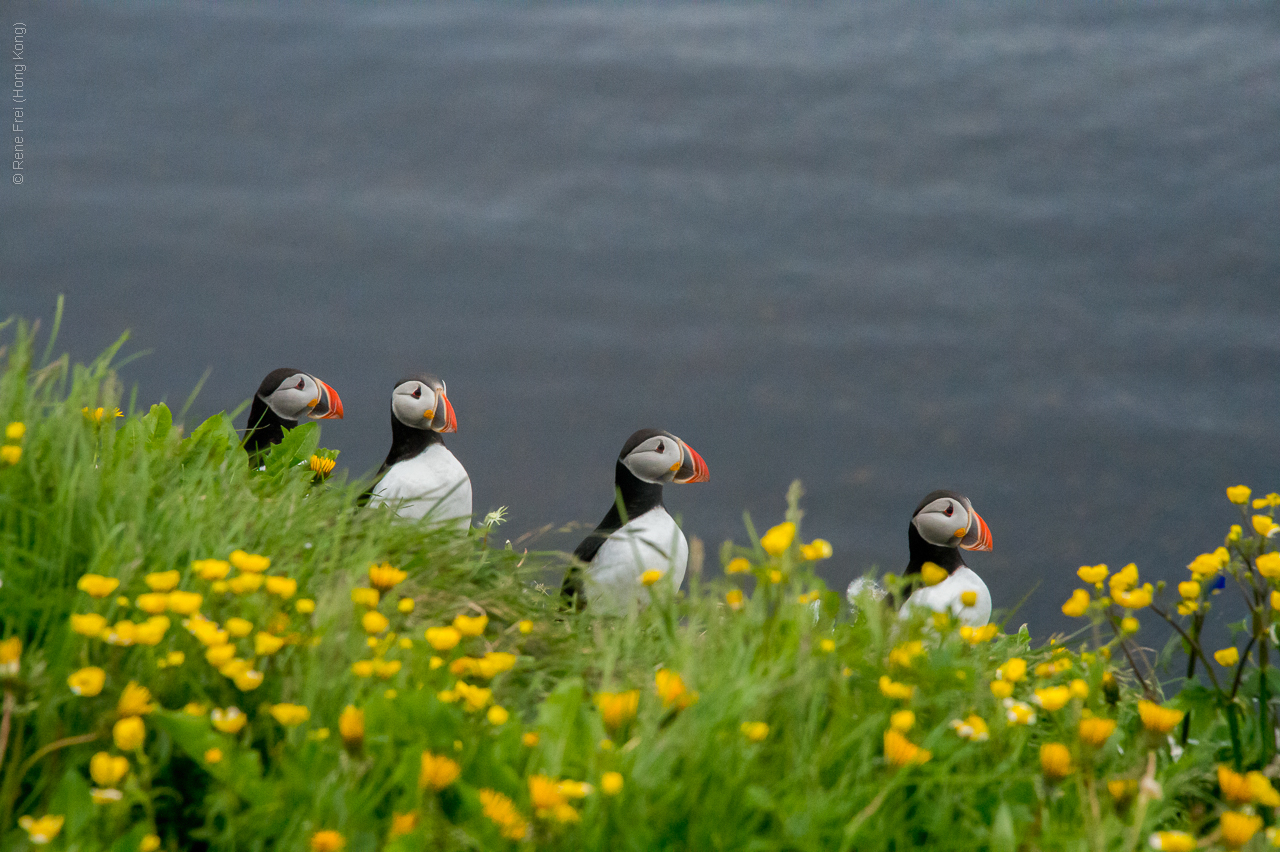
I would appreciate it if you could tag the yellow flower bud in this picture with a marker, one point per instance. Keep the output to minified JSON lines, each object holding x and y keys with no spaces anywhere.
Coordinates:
{"x":776,"y":541}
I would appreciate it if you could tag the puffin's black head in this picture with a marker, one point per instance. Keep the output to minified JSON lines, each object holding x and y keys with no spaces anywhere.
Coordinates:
{"x":947,"y":519}
{"x":659,"y":457}
{"x":291,"y":393}
{"x":420,"y":401}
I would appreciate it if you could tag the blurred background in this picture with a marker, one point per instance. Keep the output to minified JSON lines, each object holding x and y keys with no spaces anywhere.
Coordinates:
{"x":1025,"y":251}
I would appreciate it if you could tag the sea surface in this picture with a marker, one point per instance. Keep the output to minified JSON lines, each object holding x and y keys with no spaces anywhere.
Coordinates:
{"x":1028,"y":251}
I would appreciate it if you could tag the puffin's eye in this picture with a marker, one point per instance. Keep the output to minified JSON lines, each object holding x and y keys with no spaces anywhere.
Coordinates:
{"x":951,"y":510}
{"x":300,"y":385}
{"x":662,"y":448}
{"x":417,"y":393}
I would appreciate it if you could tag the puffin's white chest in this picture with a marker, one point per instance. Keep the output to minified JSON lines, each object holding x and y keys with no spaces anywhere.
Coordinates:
{"x":945,"y":597}
{"x":649,"y":542}
{"x":433,"y":484}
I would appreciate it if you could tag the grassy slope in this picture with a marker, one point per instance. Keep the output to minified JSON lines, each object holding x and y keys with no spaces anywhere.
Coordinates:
{"x":131,"y":496}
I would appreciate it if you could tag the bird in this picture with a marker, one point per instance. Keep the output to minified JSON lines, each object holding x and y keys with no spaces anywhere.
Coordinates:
{"x":282,"y":399}
{"x":944,"y":524}
{"x":637,"y":535}
{"x":421,"y":478}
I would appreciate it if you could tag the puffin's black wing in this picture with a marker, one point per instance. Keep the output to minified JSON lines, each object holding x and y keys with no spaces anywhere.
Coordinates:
{"x":572,"y":589}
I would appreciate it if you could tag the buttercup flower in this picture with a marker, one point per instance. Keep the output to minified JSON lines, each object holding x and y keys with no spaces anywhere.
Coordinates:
{"x":1096,"y":731}
{"x":618,"y":708}
{"x":149,"y":843}
{"x":41,"y":831}
{"x":90,"y":624}
{"x":475,"y":697}
{"x":902,"y":721}
{"x":383,"y":577}
{"x":1159,"y":719}
{"x":305,"y":606}
{"x":904,"y":655}
{"x":468,"y":625}
{"x":213,"y":755}
{"x":351,"y":726}
{"x":290,"y":715}
{"x":403,"y":823}
{"x":129,"y":733}
{"x":1052,"y":698}
{"x":1238,"y":828}
{"x":97,"y":585}
{"x":648,"y":578}
{"x":135,"y":700}
{"x":228,"y":721}
{"x":1264,"y":525}
{"x":362,"y":668}
{"x":244,"y":583}
{"x":1239,"y":494}
{"x":374,"y":622}
{"x":1129,"y":625}
{"x":817,"y":549}
{"x":525,"y":626}
{"x":530,"y":739}
{"x":502,"y":812}
{"x":776,"y":541}
{"x":1019,"y":712}
{"x":1124,"y":579}
{"x":184,"y":603}
{"x":106,"y":771}
{"x":281,"y":587}
{"x":978,"y":635}
{"x":10,"y":656}
{"x":973,"y":728}
{"x":1077,"y":604}
{"x":105,"y":795}
{"x":248,"y":680}
{"x":497,"y":715}
{"x":153,"y":602}
{"x":1263,"y":792}
{"x":162,"y":581}
{"x":1189,"y":589}
{"x":755,"y":731}
{"x":14,"y":431}
{"x":327,"y":841}
{"x":611,"y":783}
{"x":932,"y":573}
{"x":737,"y":565}
{"x":437,"y":771}
{"x":899,"y":751}
{"x":1055,"y":761}
{"x":211,"y":569}
{"x":1227,"y":656}
{"x":1094,"y":574}
{"x":265,"y":644}
{"x":1135,"y":599}
{"x":671,"y":689}
{"x":443,"y":638}
{"x":1013,"y":670}
{"x":1171,"y":841}
{"x":734,"y":598}
{"x":1268,"y":565}
{"x":1122,"y":788}
{"x":405,"y":605}
{"x":249,"y":562}
{"x":892,"y":689}
{"x":10,"y":454}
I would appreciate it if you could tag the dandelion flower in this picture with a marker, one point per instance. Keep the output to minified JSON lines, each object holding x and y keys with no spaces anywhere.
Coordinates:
{"x":1159,"y":719}
{"x":1096,"y":731}
{"x":611,"y":783}
{"x":899,"y":751}
{"x":737,"y":565}
{"x":129,"y":733}
{"x":1055,"y":761}
{"x":776,"y":541}
{"x":734,"y":599}
{"x":384,"y":577}
{"x":502,"y":812}
{"x":437,"y":771}
{"x":321,"y":466}
{"x":618,"y":708}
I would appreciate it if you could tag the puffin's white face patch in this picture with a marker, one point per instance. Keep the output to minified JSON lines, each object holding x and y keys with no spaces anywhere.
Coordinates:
{"x":414,"y":404}
{"x":938,"y":522}
{"x":294,"y":397}
{"x":656,"y":460}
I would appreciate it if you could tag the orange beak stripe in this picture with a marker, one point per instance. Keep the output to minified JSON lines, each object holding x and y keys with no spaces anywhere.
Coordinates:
{"x":701,"y":473}
{"x":984,"y":535}
{"x":334,"y":408}
{"x":450,"y":419}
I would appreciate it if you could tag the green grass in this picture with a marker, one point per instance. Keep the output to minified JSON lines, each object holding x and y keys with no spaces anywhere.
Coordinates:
{"x":132,"y":496}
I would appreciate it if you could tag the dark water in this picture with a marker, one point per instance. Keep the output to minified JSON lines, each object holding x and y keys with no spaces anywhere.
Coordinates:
{"x":1028,"y":251}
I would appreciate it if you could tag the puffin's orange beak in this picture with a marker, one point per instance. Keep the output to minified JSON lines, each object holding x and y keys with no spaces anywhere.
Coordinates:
{"x":693,"y":468}
{"x":450,"y":419}
{"x":330,"y":405}
{"x":979,"y":537}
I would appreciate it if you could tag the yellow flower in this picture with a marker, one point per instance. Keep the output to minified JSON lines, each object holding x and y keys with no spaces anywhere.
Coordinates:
{"x":1234,"y":786}
{"x":903,"y":720}
{"x":475,"y":697}
{"x":1019,"y":712}
{"x":403,"y":823}
{"x":351,"y":726}
{"x":525,"y":626}
{"x":969,"y":598}
{"x":904,"y":654}
{"x":1077,"y":604}
{"x":306,"y":606}
{"x":733,"y":598}
{"x":932,"y":573}
{"x":97,"y":585}
{"x":1189,"y":589}
{"x":219,"y":655}
{"x":149,"y":843}
{"x":827,"y":645}
{"x":405,"y":605}
{"x":1014,"y":670}
{"x":211,"y":569}
{"x":892,"y":689}
{"x":362,"y":668}
{"x":213,"y":755}
{"x":244,"y":583}
{"x":1095,"y":731}
{"x":973,"y":728}
{"x":502,"y":812}
{"x":437,"y":771}
{"x":755,"y":731}
{"x":470,"y":625}
{"x":544,"y":794}
{"x":383,"y":577}
{"x":10,"y":454}
{"x":1263,"y":524}
{"x":153,"y":603}
{"x":1124,"y":579}
{"x":1263,"y":793}
{"x":327,"y":841}
{"x":817,"y":549}
{"x":1122,"y":788}
{"x":1239,"y":494}
{"x":228,"y":721}
{"x":1159,"y":719}
{"x":1052,"y":698}
{"x":1079,"y":688}
{"x":1206,"y":565}
{"x":184,"y":603}
{"x":618,"y":708}
{"x":173,"y":658}
{"x":900,"y":751}
{"x":1168,"y":841}
{"x":1268,"y":565}
{"x":1129,"y":625}
{"x":129,"y":733}
{"x":283,"y":587}
{"x":41,"y":831}
{"x":151,"y":631}
{"x":737,"y":565}
{"x":122,"y":633}
{"x":1094,"y":574}
{"x":1136,"y":599}
{"x":90,"y":624}
{"x":1055,"y":761}
{"x":650,"y":577}
{"x":443,"y":638}
{"x":497,"y":715}
{"x":1189,"y":607}
{"x":97,"y":415}
{"x":671,"y":688}
{"x":135,"y":700}
{"x":776,"y":541}
{"x":247,"y":681}
{"x":386,"y":668}
{"x":611,"y":783}
{"x":775,"y":576}
{"x":250,"y":563}
{"x":374,"y":622}
{"x":321,"y":466}
{"x":265,"y":643}
{"x":10,"y":655}
{"x":162,"y":581}
{"x":193,"y":708}
{"x":106,"y":770}
{"x":1238,"y":828}
{"x":530,"y":739}
{"x":290,"y":715}
{"x":1227,"y":656}
{"x":978,"y":635}
{"x":15,"y":430}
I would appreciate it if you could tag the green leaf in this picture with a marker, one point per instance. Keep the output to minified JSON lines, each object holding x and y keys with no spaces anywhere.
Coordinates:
{"x":296,"y":446}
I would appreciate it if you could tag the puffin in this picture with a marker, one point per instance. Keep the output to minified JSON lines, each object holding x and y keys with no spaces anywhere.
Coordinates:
{"x":282,"y":399}
{"x":421,"y":478}
{"x":637,"y":534}
{"x":944,"y":524}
